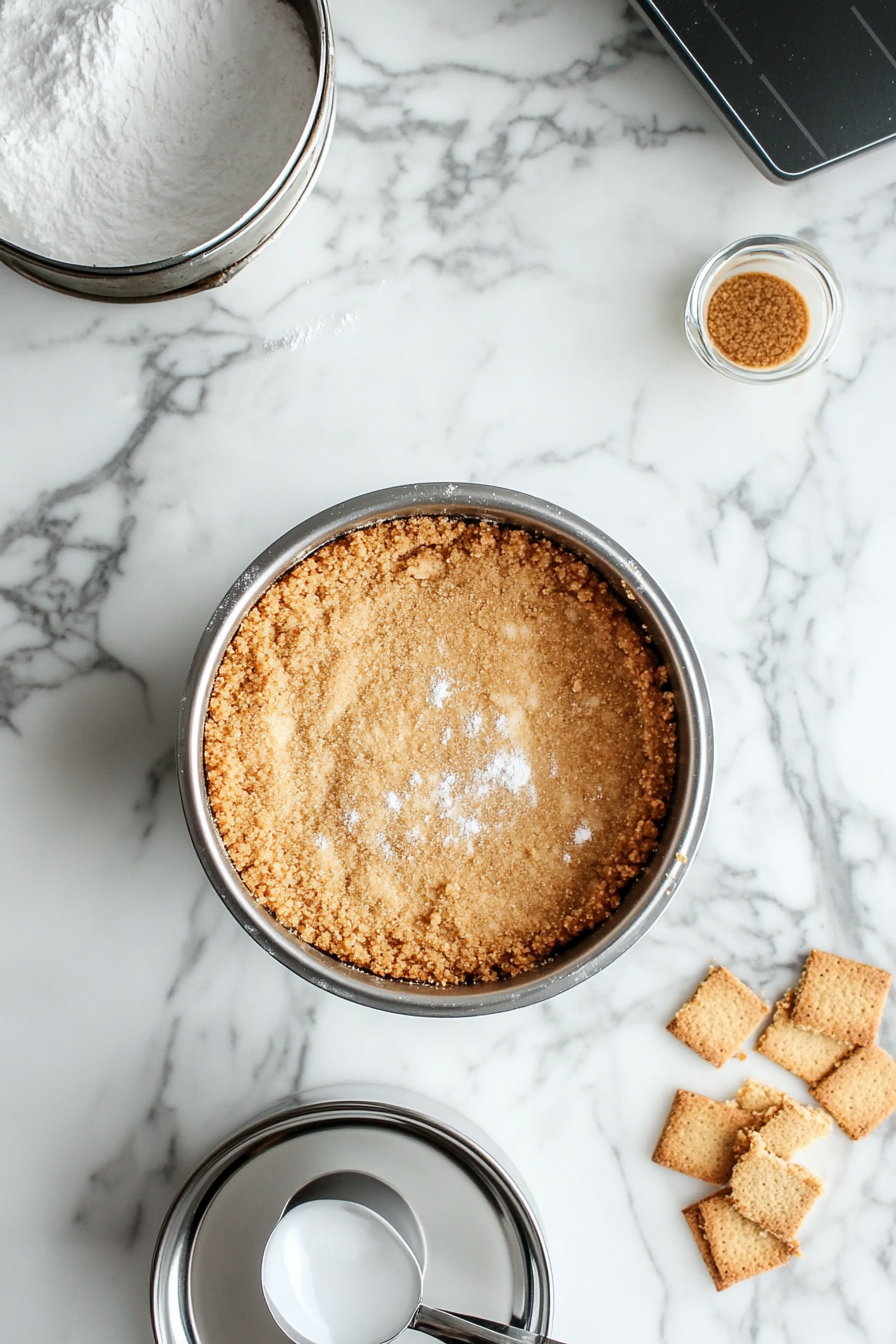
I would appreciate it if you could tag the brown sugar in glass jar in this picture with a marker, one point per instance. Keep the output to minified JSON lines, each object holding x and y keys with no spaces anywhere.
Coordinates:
{"x":440,"y":749}
{"x":764,"y":309}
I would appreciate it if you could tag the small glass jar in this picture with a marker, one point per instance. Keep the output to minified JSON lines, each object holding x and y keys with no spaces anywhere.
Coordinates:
{"x":790,"y":259}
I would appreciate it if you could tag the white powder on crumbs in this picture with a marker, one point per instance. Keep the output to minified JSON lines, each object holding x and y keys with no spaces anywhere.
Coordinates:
{"x":485,"y":784}
{"x":474,"y":783}
{"x":135,"y":130}
{"x":439,"y":690}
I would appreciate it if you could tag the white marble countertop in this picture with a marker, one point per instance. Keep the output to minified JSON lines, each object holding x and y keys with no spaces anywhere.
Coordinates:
{"x":487,"y":285}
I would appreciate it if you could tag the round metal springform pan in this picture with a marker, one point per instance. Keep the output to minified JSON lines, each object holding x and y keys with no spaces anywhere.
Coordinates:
{"x":651,"y":891}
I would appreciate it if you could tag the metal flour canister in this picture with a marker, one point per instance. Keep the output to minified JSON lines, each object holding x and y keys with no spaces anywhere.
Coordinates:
{"x":213,"y":262}
{"x":486,"y":1251}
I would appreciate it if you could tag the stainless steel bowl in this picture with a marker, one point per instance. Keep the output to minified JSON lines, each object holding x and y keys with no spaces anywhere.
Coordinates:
{"x":651,"y":892}
{"x":220,"y":258}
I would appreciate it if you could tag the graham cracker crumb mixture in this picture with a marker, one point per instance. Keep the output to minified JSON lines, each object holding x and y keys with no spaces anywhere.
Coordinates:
{"x":439,"y":749}
{"x":757,"y":320}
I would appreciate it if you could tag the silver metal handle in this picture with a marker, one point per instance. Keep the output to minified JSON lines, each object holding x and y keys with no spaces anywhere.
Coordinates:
{"x":456,"y":1329}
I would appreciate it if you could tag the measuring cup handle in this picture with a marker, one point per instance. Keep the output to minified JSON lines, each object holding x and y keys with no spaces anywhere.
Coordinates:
{"x":457,"y":1329}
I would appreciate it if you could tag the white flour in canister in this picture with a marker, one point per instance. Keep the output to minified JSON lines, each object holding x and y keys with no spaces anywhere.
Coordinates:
{"x":135,"y":130}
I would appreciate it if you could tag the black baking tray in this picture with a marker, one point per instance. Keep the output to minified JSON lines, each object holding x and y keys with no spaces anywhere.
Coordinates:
{"x":802,"y":84}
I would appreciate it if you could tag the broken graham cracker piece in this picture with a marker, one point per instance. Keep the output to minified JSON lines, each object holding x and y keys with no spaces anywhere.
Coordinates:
{"x":698,"y":1137}
{"x":793,"y":1127}
{"x":771,"y":1192}
{"x":841,"y":998}
{"x":808,"y":1054}
{"x":756,"y":1096}
{"x":860,"y":1092}
{"x":785,"y":1128}
{"x":785,"y":1125}
{"x":719,"y":1016}
{"x":733,"y":1248}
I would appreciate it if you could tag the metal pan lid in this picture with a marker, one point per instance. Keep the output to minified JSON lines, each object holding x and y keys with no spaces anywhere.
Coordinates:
{"x":486,"y":1251}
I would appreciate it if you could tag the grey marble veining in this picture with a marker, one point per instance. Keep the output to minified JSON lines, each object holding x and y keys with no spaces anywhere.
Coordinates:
{"x":487,"y":284}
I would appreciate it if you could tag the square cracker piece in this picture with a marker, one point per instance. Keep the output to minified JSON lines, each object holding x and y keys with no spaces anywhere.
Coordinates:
{"x":732,"y":1247}
{"x":861,"y":1091}
{"x":771,"y":1192}
{"x":719,"y":1017}
{"x":698,"y":1137}
{"x":844,"y":999}
{"x":808,"y":1054}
